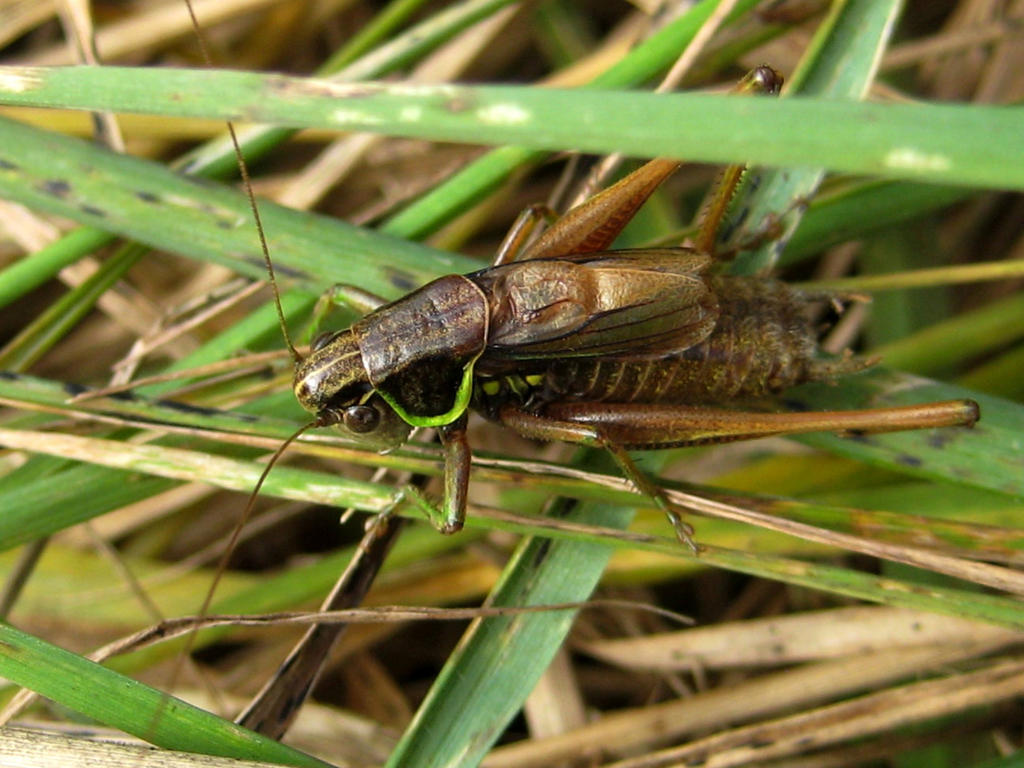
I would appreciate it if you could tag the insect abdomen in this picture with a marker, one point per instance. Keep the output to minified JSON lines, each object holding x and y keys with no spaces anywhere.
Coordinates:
{"x":763,"y":343}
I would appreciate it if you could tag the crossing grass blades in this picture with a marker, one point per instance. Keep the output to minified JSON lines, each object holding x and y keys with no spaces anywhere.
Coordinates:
{"x":564,"y":339}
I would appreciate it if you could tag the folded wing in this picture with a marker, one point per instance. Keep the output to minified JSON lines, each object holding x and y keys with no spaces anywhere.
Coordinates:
{"x":633,"y":303}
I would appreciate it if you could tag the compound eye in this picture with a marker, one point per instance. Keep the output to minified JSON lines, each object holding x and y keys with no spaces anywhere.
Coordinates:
{"x":361,"y":418}
{"x":322,"y":340}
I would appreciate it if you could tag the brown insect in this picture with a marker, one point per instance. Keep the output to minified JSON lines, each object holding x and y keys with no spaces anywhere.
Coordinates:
{"x":567,"y":340}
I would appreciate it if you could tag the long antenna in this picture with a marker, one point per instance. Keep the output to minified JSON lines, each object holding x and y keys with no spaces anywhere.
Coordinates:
{"x":243,"y":170}
{"x":246,"y":514}
{"x":222,"y":565}
{"x":229,"y":549}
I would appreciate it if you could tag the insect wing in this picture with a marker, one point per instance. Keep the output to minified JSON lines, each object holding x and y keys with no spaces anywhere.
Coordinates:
{"x":641,"y":302}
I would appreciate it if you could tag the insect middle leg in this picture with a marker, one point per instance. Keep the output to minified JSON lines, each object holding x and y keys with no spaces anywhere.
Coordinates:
{"x":450,"y":515}
{"x":339,"y":295}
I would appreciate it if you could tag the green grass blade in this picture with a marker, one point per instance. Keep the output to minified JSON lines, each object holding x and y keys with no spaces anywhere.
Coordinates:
{"x":118,"y":701}
{"x":646,"y":60}
{"x":977,"y":332}
{"x":498,"y":660}
{"x":987,"y":456}
{"x":63,"y":315}
{"x":860,"y":207}
{"x":217,"y":159}
{"x":35,"y":269}
{"x":207,"y":223}
{"x":943,"y":143}
{"x":154,"y":205}
{"x":966,"y":603}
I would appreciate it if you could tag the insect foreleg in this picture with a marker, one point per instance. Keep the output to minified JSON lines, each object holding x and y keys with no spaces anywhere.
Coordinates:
{"x":450,"y":516}
{"x":456,"y":475}
{"x":359,"y":301}
{"x":355,"y":298}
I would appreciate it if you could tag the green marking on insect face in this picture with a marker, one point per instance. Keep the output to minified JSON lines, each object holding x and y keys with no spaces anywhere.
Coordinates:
{"x":462,"y":398}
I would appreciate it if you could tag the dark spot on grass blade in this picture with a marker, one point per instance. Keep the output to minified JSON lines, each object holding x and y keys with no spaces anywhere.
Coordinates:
{"x":401,"y":280}
{"x":908,"y":460}
{"x":280,"y":269}
{"x":55,"y":188}
{"x":74,"y":389}
{"x":542,"y":552}
{"x":174,"y":405}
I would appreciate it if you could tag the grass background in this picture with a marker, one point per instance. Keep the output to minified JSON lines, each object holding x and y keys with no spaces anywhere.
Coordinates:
{"x":799,"y":537}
